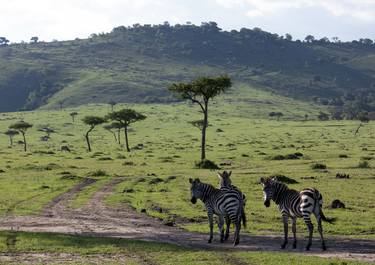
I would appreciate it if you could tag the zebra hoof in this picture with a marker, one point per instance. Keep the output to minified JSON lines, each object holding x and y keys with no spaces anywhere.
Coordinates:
{"x":283,"y":246}
{"x":209,"y":241}
{"x":236,"y":243}
{"x":294,"y":245}
{"x":307,"y":248}
{"x":324,"y":248}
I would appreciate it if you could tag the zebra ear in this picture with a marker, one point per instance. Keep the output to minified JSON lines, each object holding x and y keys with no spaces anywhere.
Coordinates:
{"x":262,"y":180}
{"x":190,"y":180}
{"x":219,"y":175}
{"x":197,"y":180}
{"x":229,"y":173}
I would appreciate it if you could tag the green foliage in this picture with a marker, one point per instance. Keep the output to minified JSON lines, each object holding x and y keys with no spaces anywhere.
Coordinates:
{"x":93,"y":120}
{"x":113,"y":66}
{"x":202,"y":89}
{"x":126,"y":116}
{"x":206,"y":164}
{"x":363,"y":164}
{"x":21,"y":126}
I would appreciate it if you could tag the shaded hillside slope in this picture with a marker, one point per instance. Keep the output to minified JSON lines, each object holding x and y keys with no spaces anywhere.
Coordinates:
{"x":136,"y":64}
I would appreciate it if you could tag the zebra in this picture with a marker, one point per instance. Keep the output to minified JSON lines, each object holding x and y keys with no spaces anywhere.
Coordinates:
{"x":226,"y":184}
{"x":220,"y":202}
{"x":296,"y":204}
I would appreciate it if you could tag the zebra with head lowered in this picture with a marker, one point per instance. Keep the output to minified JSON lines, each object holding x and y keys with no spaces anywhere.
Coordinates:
{"x":295,"y":204}
{"x":220,"y":202}
{"x":226,"y":184}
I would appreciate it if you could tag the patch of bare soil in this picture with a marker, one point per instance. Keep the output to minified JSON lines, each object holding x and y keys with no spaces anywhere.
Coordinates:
{"x":97,"y":219}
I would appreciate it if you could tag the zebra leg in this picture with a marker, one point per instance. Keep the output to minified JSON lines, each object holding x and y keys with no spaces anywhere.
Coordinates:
{"x":320,"y":229}
{"x":294,"y":222}
{"x":310,"y":227}
{"x":221,"y":228}
{"x":227,"y":221}
{"x":211,"y":223}
{"x":237,"y":232}
{"x":285,"y":221}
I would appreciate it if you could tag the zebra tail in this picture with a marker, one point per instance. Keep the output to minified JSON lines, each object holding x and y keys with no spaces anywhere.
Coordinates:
{"x":243,"y":218}
{"x":326,"y":219}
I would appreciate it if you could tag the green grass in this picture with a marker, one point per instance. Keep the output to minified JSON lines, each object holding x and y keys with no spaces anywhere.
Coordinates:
{"x":140,"y":251}
{"x":246,"y":143}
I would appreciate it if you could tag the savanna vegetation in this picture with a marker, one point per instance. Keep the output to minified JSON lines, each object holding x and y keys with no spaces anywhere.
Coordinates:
{"x":163,"y":151}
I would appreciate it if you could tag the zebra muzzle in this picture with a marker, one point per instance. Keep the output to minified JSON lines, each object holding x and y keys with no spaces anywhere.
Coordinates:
{"x":267,"y":203}
{"x":193,"y":200}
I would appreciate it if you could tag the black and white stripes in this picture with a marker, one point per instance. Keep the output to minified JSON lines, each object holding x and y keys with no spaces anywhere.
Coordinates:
{"x":295,"y":205}
{"x":223,"y":203}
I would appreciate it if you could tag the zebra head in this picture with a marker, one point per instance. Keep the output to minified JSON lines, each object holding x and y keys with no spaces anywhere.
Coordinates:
{"x":224,"y":178}
{"x":268,"y":190}
{"x":196,"y":189}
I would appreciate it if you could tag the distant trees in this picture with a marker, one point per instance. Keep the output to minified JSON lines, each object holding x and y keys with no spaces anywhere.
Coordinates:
{"x":11,"y":133}
{"x":125,"y":117}
{"x":34,"y":39}
{"x":278,"y":115}
{"x":91,"y":121}
{"x":112,"y":103}
{"x":200,"y":91}
{"x":21,"y":127}
{"x":322,"y":116}
{"x":110,"y":128}
{"x":363,"y":118}
{"x":73,"y":115}
{"x":288,"y":37}
{"x":309,"y":38}
{"x":4,"y":41}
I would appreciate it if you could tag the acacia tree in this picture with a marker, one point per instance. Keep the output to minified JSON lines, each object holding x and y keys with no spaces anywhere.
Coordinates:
{"x":109,"y":127}
{"x":200,"y":91}
{"x":112,"y":103}
{"x":21,"y":127}
{"x":73,"y":115}
{"x":92,"y":121}
{"x":125,"y":117}
{"x":11,"y":134}
{"x":363,"y":118}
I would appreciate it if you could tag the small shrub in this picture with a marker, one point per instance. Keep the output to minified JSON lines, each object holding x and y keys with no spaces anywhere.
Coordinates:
{"x":206,"y":164}
{"x":342,"y":176}
{"x":284,"y":179}
{"x":343,"y":156}
{"x":98,"y":173}
{"x":363,"y":164}
{"x":319,"y":166}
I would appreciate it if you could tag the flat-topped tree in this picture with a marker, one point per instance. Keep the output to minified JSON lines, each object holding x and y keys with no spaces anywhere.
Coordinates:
{"x":11,"y":133}
{"x":200,"y":91}
{"x":112,"y":103}
{"x":92,"y":121}
{"x":73,"y":115}
{"x":21,"y":127}
{"x":125,"y":117}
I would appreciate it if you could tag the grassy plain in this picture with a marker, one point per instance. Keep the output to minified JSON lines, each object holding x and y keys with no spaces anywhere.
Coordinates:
{"x":241,"y":138}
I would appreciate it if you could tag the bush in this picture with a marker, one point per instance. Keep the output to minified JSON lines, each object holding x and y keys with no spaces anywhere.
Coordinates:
{"x":319,"y":166}
{"x":363,"y":164}
{"x":98,"y":173}
{"x":206,"y":164}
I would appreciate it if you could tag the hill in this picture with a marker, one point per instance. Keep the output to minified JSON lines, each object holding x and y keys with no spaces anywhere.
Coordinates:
{"x":136,"y":64}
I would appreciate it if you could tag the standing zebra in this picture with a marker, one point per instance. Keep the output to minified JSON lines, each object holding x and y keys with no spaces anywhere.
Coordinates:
{"x":226,"y":184}
{"x":295,"y":204}
{"x":220,"y":202}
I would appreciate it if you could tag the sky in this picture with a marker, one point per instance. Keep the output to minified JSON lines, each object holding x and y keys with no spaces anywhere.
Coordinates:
{"x":70,"y":19}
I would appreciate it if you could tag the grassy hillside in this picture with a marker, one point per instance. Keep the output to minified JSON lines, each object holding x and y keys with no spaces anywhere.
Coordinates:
{"x":137,"y":64}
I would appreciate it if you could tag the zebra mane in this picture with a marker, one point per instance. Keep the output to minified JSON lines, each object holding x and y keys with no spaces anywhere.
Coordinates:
{"x":274,"y":181}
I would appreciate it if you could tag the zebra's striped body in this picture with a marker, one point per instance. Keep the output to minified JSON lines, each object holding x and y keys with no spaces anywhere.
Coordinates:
{"x":293,"y":204}
{"x":226,"y":184}
{"x":223,"y":203}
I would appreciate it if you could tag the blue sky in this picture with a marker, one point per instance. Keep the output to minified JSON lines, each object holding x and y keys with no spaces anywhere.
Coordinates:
{"x":68,"y":19}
